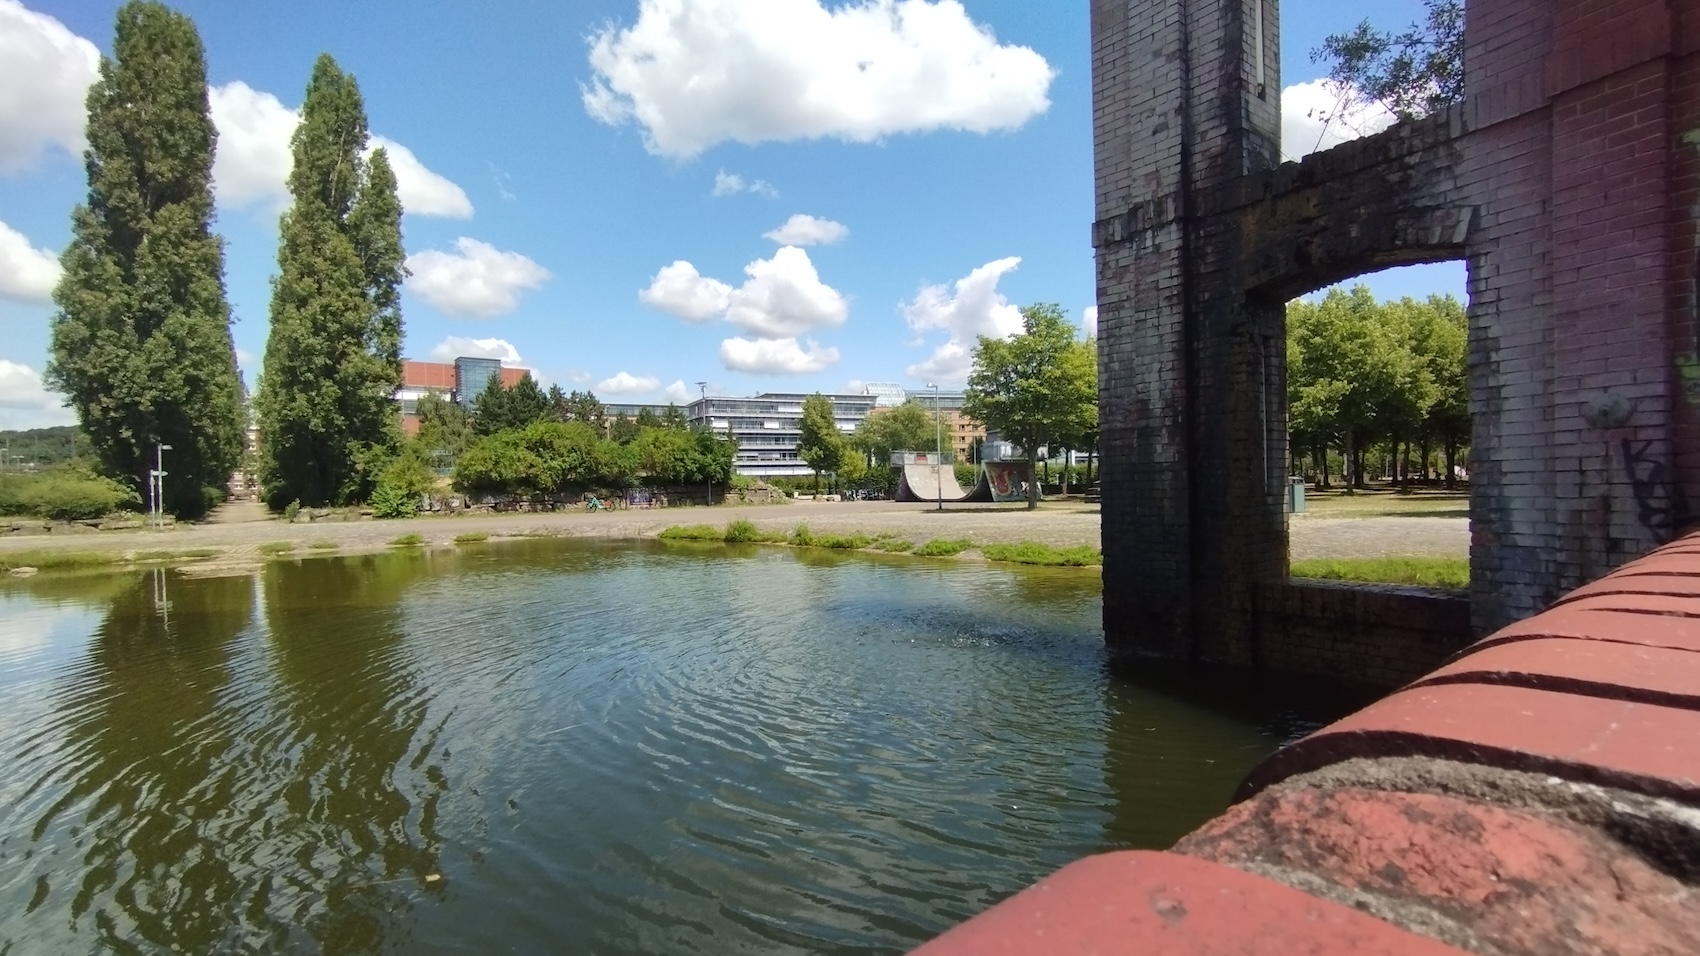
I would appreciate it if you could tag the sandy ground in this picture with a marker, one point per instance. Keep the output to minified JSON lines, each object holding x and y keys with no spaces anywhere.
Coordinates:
{"x":240,"y":529}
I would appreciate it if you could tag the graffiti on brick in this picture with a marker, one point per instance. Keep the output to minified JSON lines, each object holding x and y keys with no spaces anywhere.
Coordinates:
{"x":1658,"y":506}
{"x":1688,"y":373}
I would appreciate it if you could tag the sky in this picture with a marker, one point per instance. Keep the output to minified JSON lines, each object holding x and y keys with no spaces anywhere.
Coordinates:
{"x":638,"y":196}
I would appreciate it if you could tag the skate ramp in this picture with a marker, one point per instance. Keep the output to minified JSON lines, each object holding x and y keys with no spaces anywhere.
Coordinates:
{"x":929,"y":483}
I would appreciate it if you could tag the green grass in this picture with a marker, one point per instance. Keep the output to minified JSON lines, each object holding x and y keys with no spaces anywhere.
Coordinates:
{"x":1386,"y":503}
{"x":273,"y":548}
{"x":323,"y":545}
{"x":944,"y":547}
{"x":1032,"y":552}
{"x":1423,"y":572}
{"x":186,"y":554}
{"x":894,"y":545}
{"x":801,"y":536}
{"x":472,"y":537}
{"x":408,"y":541}
{"x":743,"y":531}
{"x":46,"y":560}
{"x":841,"y":542}
{"x":692,"y":532}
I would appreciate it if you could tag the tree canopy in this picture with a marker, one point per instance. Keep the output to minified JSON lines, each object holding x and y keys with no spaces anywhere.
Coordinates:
{"x":500,"y":408}
{"x":821,"y":444}
{"x":1036,"y":388}
{"x":1361,"y":371}
{"x":333,"y":356}
{"x":910,"y":426}
{"x":141,"y":340}
{"x":1413,"y":73}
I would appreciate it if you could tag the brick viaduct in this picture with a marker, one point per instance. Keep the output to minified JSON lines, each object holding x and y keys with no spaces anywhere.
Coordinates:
{"x":1567,"y":180}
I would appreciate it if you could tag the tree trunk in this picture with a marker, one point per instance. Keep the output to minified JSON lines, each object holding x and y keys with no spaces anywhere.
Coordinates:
{"x":1451,"y":468}
{"x":1424,"y":450}
{"x":1033,"y":478}
{"x":1350,"y":464}
{"x":1321,"y":452}
{"x":1065,"y":473}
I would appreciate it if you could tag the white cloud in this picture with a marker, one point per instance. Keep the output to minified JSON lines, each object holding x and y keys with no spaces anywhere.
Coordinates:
{"x":976,"y":308}
{"x":625,"y":383}
{"x":694,"y":73}
{"x":801,"y":230}
{"x":678,"y":393}
{"x":253,"y":159}
{"x":731,"y":184}
{"x":776,"y":356}
{"x":578,"y":376}
{"x":782,"y":297}
{"x":1315,"y":116}
{"x":45,"y":74}
{"x":1089,"y":321}
{"x":27,"y":274}
{"x":252,"y":162}
{"x":477,"y":280}
{"x":26,"y":403}
{"x":456,"y":346}
{"x":680,"y":290}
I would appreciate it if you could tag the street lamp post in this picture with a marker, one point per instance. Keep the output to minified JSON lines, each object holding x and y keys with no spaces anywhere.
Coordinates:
{"x":938,"y":445}
{"x":158,"y":476}
{"x":707,"y":423}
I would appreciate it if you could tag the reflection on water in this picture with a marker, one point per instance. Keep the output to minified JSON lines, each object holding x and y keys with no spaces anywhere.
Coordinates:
{"x":548,"y":746}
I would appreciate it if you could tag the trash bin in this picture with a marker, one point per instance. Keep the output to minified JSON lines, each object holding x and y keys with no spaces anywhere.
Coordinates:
{"x":1296,"y":495}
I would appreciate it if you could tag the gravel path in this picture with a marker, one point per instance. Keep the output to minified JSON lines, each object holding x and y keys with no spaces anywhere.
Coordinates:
{"x":239,"y":531}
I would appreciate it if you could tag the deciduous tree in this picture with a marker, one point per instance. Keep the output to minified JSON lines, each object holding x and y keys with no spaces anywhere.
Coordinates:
{"x":1413,"y":73}
{"x":821,"y":444}
{"x":333,"y":358}
{"x":1034,"y":388}
{"x":141,"y":341}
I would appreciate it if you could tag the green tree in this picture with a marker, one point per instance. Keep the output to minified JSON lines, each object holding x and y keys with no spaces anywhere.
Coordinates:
{"x":674,"y":418}
{"x":1413,"y":73}
{"x":333,"y":358}
{"x":444,"y":430}
{"x":623,"y":429}
{"x":648,"y":419}
{"x":577,"y":406}
{"x":500,"y":408}
{"x":1034,"y":388}
{"x":908,"y":427}
{"x":141,"y":341}
{"x":821,"y":444}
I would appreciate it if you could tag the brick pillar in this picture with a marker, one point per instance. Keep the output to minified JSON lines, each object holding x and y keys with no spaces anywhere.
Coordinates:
{"x":1192,"y":397}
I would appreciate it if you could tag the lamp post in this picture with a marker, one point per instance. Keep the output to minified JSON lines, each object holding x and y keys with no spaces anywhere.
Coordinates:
{"x":707,"y":423}
{"x":938,"y":445}
{"x":158,"y":475}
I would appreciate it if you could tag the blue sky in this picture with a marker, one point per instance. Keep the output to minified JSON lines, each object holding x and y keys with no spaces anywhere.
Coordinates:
{"x":638,"y":195}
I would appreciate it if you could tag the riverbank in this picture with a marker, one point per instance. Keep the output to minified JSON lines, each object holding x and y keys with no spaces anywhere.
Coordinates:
{"x":1056,"y":524}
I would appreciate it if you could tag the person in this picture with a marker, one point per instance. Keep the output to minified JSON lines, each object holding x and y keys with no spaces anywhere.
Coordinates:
{"x":594,"y":504}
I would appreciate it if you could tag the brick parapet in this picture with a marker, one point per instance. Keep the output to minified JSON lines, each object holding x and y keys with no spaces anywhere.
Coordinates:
{"x":1537,"y":795}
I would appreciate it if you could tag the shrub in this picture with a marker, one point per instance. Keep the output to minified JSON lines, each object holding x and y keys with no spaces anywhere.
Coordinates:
{"x":65,"y":495}
{"x":1031,"y":552}
{"x":291,"y":510}
{"x":407,"y":541}
{"x":391,"y":500}
{"x":472,"y":537}
{"x":692,"y":532}
{"x":743,"y":531}
{"x":944,"y":547}
{"x":801,"y":536}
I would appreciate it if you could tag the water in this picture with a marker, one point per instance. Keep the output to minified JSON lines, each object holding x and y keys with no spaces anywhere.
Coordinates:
{"x":570,"y":747}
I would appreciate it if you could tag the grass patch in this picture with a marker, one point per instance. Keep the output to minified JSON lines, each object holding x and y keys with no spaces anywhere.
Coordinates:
{"x":272,"y":548}
{"x":692,"y":532}
{"x":801,"y":536}
{"x":1032,"y":552}
{"x":56,"y":560}
{"x":944,"y":547}
{"x":186,"y":554}
{"x":322,"y":545}
{"x":1386,"y":503}
{"x":1422,"y":572}
{"x":408,"y":541}
{"x":743,"y":531}
{"x":472,"y":537}
{"x":841,"y":542}
{"x":894,"y":545}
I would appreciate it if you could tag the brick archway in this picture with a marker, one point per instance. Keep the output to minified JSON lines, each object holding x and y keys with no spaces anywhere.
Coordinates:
{"x":1566,"y":182}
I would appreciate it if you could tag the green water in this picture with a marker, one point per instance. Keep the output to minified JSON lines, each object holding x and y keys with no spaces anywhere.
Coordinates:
{"x":569,"y":747}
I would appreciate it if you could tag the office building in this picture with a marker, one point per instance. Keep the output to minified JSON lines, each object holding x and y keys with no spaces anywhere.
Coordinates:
{"x":459,"y":381}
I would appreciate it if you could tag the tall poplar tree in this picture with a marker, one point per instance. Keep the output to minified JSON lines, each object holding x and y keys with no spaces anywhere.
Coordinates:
{"x":333,"y":359}
{"x":141,"y":340}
